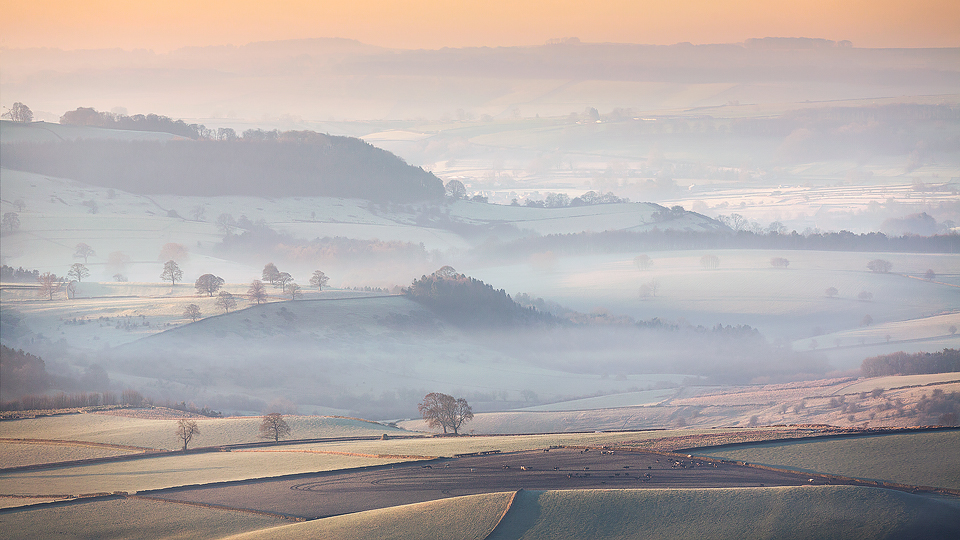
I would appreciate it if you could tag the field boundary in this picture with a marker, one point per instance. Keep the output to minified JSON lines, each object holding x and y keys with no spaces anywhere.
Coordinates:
{"x":504,"y":514}
{"x":288,"y":517}
{"x":881,"y":432}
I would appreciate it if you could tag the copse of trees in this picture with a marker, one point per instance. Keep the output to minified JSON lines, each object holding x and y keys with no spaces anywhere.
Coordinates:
{"x":902,"y":363}
{"x":20,"y":275}
{"x":302,"y":164}
{"x":467,"y":301}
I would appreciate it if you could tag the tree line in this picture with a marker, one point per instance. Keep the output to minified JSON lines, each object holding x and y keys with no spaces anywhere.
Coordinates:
{"x":287,"y":165}
{"x":902,"y":363}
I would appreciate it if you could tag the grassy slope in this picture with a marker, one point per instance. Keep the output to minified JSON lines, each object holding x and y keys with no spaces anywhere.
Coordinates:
{"x":23,"y":453}
{"x":925,"y":459}
{"x":793,"y":512}
{"x":460,"y":518}
{"x":129,"y":518}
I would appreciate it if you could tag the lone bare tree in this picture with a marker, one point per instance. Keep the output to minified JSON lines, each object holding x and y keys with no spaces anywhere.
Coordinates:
{"x":442,"y":410}
{"x":880,"y":266}
{"x":294,"y":291}
{"x":643,"y":262}
{"x":226,"y":301}
{"x":50,"y":285}
{"x":171,"y":272}
{"x":282,"y":279}
{"x":208,"y":283}
{"x":273,"y":426}
{"x":83,"y":251}
{"x":186,"y":429}
{"x":19,"y":113}
{"x":192,"y":312}
{"x":257,"y":292}
{"x":78,"y":272}
{"x":831,"y":292}
{"x":319,"y":280}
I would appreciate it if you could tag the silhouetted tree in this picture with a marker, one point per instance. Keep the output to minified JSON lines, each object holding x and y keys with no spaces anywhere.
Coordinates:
{"x":319,"y":280}
{"x":456,"y":190}
{"x":186,"y":429}
{"x":50,"y":285}
{"x":282,"y":279}
{"x":19,"y":113}
{"x":643,"y":262}
{"x":83,"y":251}
{"x":880,"y":266}
{"x":445,"y":411}
{"x":273,"y":426}
{"x":257,"y":292}
{"x":11,"y":222}
{"x":930,"y":275}
{"x":171,"y":272}
{"x":294,"y":291}
{"x":78,"y":272}
{"x":192,"y":312}
{"x":226,"y":223}
{"x":270,"y":273}
{"x":208,"y":283}
{"x":226,"y":301}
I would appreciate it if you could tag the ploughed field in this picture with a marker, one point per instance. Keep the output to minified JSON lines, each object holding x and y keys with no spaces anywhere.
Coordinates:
{"x":340,"y":492}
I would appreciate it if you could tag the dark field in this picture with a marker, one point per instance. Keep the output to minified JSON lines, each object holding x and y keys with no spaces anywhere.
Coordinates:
{"x":342,"y":492}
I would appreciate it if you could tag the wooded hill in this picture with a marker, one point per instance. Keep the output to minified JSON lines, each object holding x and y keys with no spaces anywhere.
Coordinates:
{"x":285,"y":165}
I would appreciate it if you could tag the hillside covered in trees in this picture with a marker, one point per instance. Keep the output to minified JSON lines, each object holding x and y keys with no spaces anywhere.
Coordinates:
{"x":901,"y":363}
{"x":260,"y":163}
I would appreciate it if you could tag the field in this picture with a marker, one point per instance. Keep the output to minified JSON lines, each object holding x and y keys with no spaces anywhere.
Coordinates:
{"x":129,"y":519}
{"x":924,"y":459}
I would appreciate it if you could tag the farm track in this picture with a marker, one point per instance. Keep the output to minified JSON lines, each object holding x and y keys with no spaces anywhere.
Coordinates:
{"x":332,"y":493}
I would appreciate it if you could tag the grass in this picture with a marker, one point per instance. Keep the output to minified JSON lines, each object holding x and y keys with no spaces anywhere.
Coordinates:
{"x":471,"y":517}
{"x":898,"y":381}
{"x":151,"y":433}
{"x":174,"y":470}
{"x":793,"y":512}
{"x":924,"y":459}
{"x":18,"y":454}
{"x":627,"y":399}
{"x":129,"y":518}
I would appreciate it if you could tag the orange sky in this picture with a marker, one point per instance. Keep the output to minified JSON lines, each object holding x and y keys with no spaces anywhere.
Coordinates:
{"x":163,"y":25}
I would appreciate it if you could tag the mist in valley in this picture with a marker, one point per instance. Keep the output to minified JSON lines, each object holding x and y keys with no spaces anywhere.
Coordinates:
{"x":520,"y":226}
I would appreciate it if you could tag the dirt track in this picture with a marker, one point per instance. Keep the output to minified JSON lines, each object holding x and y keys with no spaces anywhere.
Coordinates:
{"x":341,"y":492}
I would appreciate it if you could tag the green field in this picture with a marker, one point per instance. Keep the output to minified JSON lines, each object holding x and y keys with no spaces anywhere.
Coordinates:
{"x":919,"y":459}
{"x":129,"y":519}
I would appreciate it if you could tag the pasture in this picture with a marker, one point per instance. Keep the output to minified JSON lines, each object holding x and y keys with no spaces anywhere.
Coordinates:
{"x":920,"y":459}
{"x":121,"y":519}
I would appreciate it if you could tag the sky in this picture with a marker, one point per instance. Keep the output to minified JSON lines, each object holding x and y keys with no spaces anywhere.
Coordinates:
{"x":166,"y":25}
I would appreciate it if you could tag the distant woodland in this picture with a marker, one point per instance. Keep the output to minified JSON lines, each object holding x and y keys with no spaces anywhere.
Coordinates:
{"x":261,"y":163}
{"x":901,"y":363}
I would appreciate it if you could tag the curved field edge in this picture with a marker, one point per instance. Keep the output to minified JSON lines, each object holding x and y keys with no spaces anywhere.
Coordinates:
{"x":789,"y":512}
{"x":128,"y":518}
{"x":918,"y":459}
{"x":471,"y":517}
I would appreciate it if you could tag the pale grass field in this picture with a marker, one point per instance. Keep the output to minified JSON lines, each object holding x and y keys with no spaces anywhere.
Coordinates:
{"x":924,"y":459}
{"x":897,"y":381}
{"x":15,"y":502}
{"x":472,"y":517}
{"x":129,"y":519}
{"x":161,"y":433}
{"x":18,"y":454}
{"x":628,"y":399}
{"x":174,"y":470}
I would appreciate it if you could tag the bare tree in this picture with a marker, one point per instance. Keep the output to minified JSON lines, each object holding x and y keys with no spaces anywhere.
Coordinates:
{"x":50,"y":285}
{"x":192,"y":312}
{"x":226,"y":301}
{"x":19,"y":113}
{"x":198,"y":212}
{"x":643,"y":262}
{"x":11,"y":222}
{"x":270,"y":273}
{"x":319,"y":280}
{"x":83,"y":251}
{"x":78,"y":272}
{"x":282,"y":279}
{"x":710,"y":261}
{"x":294,"y":291}
{"x":831,"y":292}
{"x":880,"y":266}
{"x":171,"y":272}
{"x":208,"y":283}
{"x":456,"y":190}
{"x":273,"y":426}
{"x":930,"y":275}
{"x":779,"y":262}
{"x":226,"y":223}
{"x":186,"y":429}
{"x":442,"y":410}
{"x":257,"y":292}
